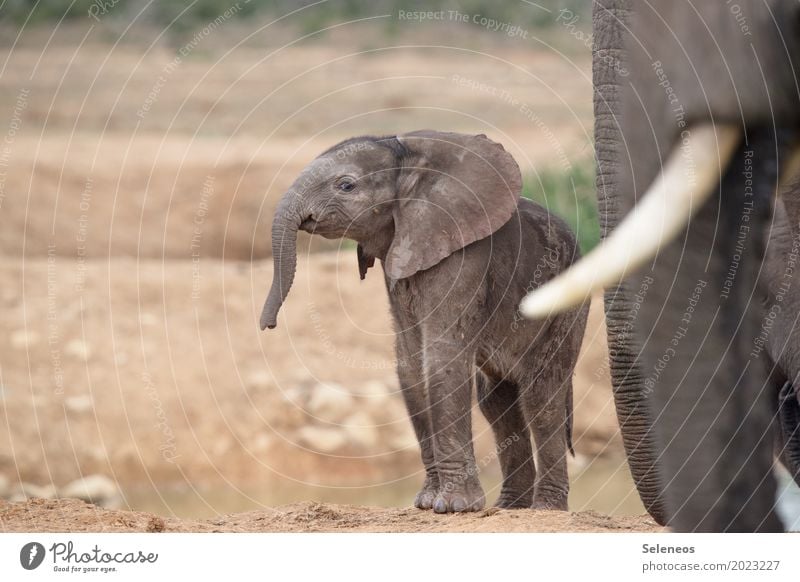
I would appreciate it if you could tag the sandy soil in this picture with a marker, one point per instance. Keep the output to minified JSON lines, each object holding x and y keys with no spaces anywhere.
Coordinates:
{"x":157,"y":373}
{"x":77,"y":516}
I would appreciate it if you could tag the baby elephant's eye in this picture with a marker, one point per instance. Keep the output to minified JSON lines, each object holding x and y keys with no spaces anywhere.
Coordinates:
{"x":346,"y":185}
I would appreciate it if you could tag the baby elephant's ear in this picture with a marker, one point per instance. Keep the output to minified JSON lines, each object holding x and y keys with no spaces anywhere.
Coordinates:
{"x":453,"y":190}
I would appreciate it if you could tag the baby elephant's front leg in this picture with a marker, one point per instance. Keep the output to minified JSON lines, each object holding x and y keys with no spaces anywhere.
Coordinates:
{"x":448,"y":369}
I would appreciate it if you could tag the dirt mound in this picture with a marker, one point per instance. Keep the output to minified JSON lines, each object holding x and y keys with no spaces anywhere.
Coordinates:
{"x":76,"y":516}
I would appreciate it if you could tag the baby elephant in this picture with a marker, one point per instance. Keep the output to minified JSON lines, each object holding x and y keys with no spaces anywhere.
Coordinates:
{"x":459,"y":250}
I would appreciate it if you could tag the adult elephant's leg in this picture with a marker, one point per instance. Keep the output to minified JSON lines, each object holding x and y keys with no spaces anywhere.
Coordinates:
{"x":783,"y":340}
{"x":789,"y":442}
{"x":712,"y":406}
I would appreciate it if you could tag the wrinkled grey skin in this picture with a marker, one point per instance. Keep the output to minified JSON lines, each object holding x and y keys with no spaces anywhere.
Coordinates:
{"x":782,"y":304}
{"x":459,"y":250}
{"x":699,"y":431}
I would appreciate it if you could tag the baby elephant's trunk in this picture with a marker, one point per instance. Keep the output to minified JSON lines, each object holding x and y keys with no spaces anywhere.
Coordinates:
{"x":284,"y":256}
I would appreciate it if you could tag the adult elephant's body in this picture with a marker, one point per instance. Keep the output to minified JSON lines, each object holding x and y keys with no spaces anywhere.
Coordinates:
{"x":779,"y":336}
{"x":696,"y":406}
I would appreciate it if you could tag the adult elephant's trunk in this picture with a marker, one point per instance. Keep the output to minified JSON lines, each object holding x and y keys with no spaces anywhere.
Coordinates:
{"x":288,"y":217}
{"x":627,"y":374}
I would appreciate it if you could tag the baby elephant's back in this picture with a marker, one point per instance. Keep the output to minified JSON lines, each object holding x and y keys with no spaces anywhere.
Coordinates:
{"x":532,"y":248}
{"x":548,"y":233}
{"x":498,"y":271}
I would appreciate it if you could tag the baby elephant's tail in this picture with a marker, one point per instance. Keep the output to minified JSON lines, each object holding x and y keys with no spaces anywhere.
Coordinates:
{"x":569,"y":423}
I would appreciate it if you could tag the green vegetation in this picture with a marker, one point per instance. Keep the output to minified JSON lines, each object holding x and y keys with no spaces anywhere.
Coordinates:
{"x":569,"y":194}
{"x":196,"y":13}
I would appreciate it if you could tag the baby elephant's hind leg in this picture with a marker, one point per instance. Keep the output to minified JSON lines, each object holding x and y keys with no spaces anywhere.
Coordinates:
{"x":546,"y":395}
{"x":546,"y":402}
{"x":499,"y":402}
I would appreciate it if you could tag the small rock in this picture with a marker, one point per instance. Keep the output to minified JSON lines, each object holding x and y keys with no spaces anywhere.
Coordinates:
{"x":361,"y":431}
{"x":148,"y":319}
{"x":377,"y":395}
{"x":97,"y":453}
{"x":40,"y":401}
{"x":258,"y":381}
{"x":222,"y":447}
{"x":404,"y":440}
{"x":24,"y":491}
{"x":4,"y":487}
{"x":293,"y":395}
{"x":262,"y":443}
{"x":79,"y":349}
{"x":97,"y":489}
{"x":324,"y":440}
{"x":391,"y":411}
{"x":23,"y":338}
{"x":329,"y":402}
{"x":376,"y":392}
{"x":79,"y":404}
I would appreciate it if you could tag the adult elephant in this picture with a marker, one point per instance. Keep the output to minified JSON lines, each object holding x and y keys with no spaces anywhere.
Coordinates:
{"x":696,"y":106}
{"x":779,"y":337}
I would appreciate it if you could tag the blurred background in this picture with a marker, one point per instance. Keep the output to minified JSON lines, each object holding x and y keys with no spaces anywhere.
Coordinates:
{"x":144,"y":145}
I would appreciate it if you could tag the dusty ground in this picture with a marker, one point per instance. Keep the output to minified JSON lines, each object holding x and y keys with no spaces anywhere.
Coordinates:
{"x":76,"y":516}
{"x":154,"y":373}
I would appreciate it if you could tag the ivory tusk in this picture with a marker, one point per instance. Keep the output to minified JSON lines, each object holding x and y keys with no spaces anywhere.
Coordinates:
{"x":685,"y":183}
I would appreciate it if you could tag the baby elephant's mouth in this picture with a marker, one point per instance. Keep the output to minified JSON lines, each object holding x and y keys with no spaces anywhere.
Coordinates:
{"x":313,"y":226}
{"x":308,"y":225}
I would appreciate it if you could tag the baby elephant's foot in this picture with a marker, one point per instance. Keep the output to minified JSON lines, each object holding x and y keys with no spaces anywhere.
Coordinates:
{"x":427,"y":494}
{"x":456,"y":496}
{"x":514,"y":500}
{"x":554,"y":501}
